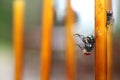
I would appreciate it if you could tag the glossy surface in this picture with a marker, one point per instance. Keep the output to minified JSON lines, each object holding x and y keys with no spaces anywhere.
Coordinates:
{"x":18,"y":19}
{"x":47,"y":24}
{"x":100,"y":46}
{"x":70,"y":48}
{"x":109,"y":45}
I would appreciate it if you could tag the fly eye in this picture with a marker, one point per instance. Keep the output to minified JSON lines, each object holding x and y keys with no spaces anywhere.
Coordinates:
{"x":91,"y":39}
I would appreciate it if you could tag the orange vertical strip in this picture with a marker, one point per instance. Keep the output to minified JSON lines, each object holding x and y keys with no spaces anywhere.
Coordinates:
{"x":109,"y":45}
{"x":100,"y":46}
{"x":18,"y":13}
{"x":47,"y":25}
{"x":70,"y":56}
{"x":109,"y":4}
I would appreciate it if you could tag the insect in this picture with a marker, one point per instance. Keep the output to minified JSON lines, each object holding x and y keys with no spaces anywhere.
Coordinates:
{"x":85,"y":43}
{"x":109,"y":17}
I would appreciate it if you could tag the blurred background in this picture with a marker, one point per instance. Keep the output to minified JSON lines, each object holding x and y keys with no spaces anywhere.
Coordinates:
{"x":84,"y":24}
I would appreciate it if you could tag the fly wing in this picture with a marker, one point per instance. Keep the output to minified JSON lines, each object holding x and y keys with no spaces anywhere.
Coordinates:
{"x":79,"y":41}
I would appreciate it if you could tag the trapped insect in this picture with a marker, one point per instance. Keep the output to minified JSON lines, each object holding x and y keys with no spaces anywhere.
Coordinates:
{"x":85,"y":43}
{"x":109,"y":17}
